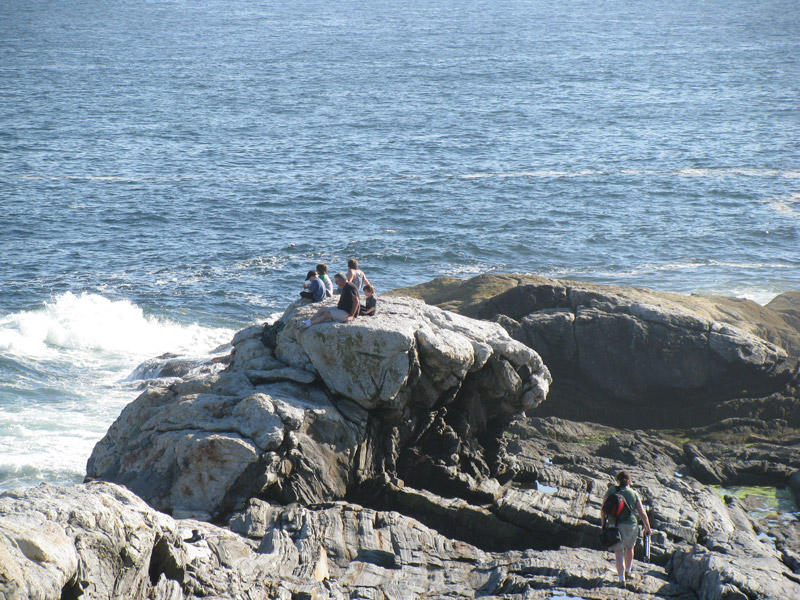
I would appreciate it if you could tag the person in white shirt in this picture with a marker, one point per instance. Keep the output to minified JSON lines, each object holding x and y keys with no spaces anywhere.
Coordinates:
{"x":322,"y":271}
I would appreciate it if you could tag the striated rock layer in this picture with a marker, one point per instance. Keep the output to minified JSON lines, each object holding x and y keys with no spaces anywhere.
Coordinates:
{"x":413,"y":455}
{"x":321,"y":412}
{"x":634,"y":357}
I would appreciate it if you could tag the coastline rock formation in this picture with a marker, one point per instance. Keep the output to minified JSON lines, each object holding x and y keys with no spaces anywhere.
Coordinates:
{"x":426,"y":454}
{"x":689,"y":359}
{"x":322,"y":411}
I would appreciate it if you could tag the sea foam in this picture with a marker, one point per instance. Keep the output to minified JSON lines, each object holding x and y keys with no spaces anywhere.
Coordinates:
{"x":93,"y":323}
{"x":63,"y":370}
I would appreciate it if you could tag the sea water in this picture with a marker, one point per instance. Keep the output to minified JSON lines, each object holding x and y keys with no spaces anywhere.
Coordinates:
{"x":169,"y":170}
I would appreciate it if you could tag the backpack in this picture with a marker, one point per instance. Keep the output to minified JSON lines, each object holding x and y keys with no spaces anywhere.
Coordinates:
{"x":615,"y":506}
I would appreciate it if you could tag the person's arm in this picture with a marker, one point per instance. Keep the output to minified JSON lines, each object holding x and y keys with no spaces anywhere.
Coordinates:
{"x":643,"y":517}
{"x":355,"y":304}
{"x":364,"y":277}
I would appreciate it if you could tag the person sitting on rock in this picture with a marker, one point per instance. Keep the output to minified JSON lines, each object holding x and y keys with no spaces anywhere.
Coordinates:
{"x":345,"y":311}
{"x":322,"y":272}
{"x":314,"y":290}
{"x":372,"y":302}
{"x":627,"y":524}
{"x":355,"y":275}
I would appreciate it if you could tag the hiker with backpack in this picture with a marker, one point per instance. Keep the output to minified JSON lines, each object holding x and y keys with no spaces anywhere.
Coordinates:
{"x":618,"y":513}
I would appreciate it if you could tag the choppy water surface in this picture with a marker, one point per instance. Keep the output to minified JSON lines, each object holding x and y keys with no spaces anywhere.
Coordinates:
{"x":170,"y":170}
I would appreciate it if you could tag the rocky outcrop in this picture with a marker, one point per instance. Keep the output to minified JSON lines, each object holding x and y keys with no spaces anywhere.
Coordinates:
{"x":99,"y":541}
{"x":322,"y":411}
{"x":689,"y":359}
{"x":488,"y":295}
{"x":787,"y":305}
{"x":707,"y":542}
{"x":410,"y":455}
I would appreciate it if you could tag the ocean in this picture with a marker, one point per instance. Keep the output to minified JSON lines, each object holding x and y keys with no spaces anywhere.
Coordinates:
{"x":169,"y":170}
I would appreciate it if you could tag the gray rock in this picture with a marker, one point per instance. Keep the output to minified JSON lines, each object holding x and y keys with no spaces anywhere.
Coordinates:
{"x":418,"y":415}
{"x":291,"y":423}
{"x":635,"y":345}
{"x":99,"y":541}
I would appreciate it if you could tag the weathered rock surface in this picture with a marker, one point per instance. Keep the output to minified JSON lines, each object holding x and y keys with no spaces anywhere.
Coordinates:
{"x":485,"y":296}
{"x":392,"y":458}
{"x":787,"y":305}
{"x":707,"y":543}
{"x":99,"y":541}
{"x":326,"y":409}
{"x":689,"y":359}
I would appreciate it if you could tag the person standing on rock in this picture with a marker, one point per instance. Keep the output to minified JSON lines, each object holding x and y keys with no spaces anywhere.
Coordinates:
{"x":626,"y":523}
{"x":355,"y":275}
{"x":345,"y":311}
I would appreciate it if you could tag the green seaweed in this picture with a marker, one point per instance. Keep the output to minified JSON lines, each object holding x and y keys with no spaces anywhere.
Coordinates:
{"x":765,"y":501}
{"x":593,"y":440}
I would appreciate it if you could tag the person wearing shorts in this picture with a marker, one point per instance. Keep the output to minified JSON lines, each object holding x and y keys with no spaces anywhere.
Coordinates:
{"x":627,"y":524}
{"x":345,"y":311}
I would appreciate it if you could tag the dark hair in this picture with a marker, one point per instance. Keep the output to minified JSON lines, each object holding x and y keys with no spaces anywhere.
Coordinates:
{"x":352,"y":263}
{"x":623,"y":478}
{"x":369,"y":288}
{"x":322,"y":268}
{"x":339,"y":276}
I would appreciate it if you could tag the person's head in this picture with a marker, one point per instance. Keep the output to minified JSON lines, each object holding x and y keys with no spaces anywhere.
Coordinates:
{"x":340,"y":280}
{"x":311,"y":275}
{"x":322,"y":269}
{"x":623,"y":478}
{"x":352,"y":264}
{"x":369,"y":290}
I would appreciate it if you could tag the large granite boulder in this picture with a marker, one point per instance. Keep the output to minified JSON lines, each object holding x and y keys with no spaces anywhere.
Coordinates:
{"x":612,"y":348}
{"x":320,"y":411}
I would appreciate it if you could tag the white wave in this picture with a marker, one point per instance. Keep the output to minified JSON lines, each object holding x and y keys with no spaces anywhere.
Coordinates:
{"x":77,"y":349}
{"x":577,"y":173}
{"x":696,"y":173}
{"x":787,"y":206}
{"x":92,"y":323}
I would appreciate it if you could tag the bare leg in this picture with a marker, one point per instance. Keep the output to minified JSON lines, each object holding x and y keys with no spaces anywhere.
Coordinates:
{"x":620,"y":556}
{"x":322,"y":315}
{"x":628,"y":560}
